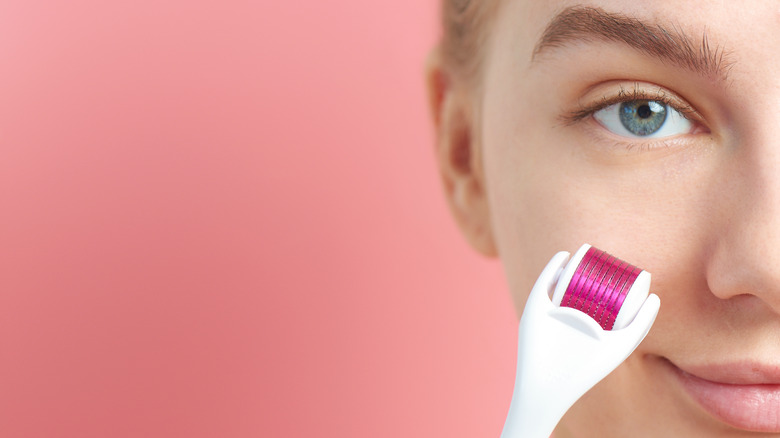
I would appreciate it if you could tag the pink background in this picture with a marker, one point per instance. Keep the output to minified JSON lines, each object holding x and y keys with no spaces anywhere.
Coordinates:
{"x":222,"y":219}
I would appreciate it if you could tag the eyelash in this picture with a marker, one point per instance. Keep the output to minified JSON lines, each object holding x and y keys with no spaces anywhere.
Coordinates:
{"x":586,"y":111}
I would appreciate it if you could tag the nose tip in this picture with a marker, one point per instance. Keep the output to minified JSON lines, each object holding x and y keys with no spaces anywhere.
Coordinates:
{"x":746,"y":262}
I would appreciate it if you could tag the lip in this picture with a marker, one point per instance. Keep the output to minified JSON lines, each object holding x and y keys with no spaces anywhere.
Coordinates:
{"x":744,"y":395}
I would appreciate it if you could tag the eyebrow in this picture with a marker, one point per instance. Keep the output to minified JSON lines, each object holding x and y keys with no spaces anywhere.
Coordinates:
{"x":582,"y":23}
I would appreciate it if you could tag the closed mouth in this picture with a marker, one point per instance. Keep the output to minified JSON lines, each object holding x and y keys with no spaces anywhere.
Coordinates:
{"x":744,"y":395}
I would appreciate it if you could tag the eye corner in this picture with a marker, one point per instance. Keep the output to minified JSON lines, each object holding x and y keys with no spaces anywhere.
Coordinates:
{"x":572,"y":118}
{"x":700,"y":128}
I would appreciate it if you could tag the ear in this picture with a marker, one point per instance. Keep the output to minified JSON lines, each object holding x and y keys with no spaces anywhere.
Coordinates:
{"x":458,"y":155}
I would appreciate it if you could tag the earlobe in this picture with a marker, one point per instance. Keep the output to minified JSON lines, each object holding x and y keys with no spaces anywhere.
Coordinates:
{"x":458,"y":155}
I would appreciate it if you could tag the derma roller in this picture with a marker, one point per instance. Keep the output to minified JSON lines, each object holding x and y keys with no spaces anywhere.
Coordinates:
{"x":582,"y":319}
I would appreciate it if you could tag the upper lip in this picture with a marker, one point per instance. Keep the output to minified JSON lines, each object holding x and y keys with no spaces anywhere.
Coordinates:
{"x":735,"y":373}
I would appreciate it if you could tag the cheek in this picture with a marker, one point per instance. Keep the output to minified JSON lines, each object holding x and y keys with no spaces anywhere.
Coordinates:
{"x":548,"y":191}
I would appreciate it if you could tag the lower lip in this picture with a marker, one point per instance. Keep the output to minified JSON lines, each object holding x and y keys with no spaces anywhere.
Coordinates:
{"x":748,"y":407}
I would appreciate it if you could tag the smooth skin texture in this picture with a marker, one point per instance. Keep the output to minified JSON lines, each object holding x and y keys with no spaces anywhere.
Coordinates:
{"x":698,"y":209}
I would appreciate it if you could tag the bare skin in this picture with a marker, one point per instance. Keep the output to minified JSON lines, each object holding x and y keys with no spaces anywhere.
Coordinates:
{"x":698,"y":207}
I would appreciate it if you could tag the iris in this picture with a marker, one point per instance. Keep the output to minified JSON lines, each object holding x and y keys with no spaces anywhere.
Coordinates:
{"x":642,"y":117}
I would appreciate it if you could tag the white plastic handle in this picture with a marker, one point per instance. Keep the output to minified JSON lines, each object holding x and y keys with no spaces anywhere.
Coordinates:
{"x":562,"y":353}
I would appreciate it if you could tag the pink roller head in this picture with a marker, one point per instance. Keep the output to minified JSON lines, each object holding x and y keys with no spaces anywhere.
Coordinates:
{"x":609,"y":290}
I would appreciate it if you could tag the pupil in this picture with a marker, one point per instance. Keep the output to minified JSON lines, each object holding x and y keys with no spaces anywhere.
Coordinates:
{"x":644,"y":111}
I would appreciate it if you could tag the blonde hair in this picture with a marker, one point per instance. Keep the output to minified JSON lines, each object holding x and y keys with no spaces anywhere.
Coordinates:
{"x":465,"y":24}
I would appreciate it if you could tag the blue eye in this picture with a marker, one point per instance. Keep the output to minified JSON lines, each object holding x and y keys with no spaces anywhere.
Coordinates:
{"x":643,"y":119}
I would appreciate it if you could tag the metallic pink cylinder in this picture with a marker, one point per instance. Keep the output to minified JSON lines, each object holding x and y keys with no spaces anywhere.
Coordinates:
{"x":599,"y":286}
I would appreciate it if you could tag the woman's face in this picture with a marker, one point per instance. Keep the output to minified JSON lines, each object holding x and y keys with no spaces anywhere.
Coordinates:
{"x":694,"y":201}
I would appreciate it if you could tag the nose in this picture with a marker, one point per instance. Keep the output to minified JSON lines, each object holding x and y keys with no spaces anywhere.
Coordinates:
{"x":745,"y":256}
